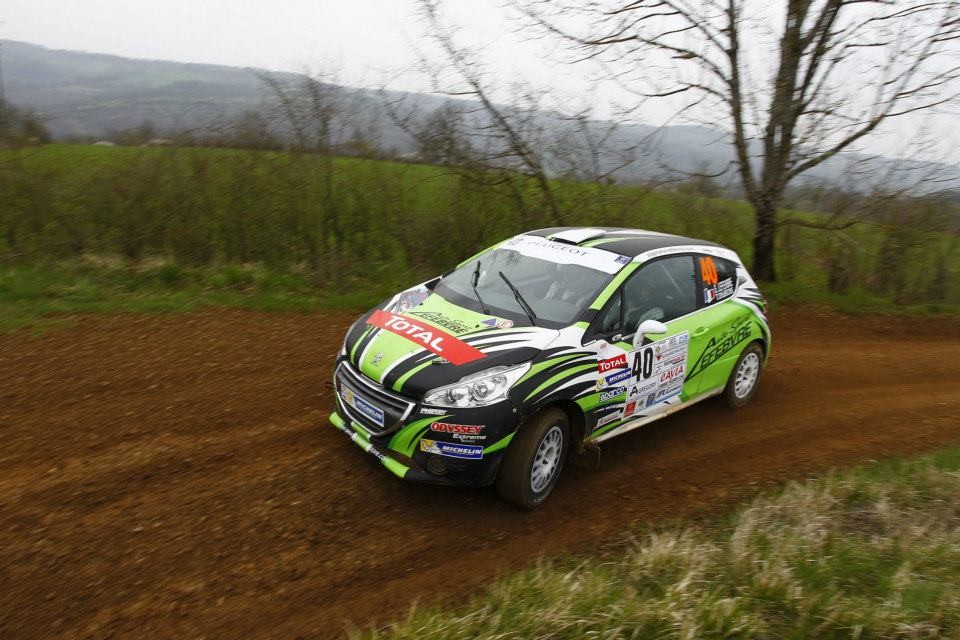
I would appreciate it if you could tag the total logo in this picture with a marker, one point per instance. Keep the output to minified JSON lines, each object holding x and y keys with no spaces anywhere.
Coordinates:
{"x":617,"y":362}
{"x":439,"y":342}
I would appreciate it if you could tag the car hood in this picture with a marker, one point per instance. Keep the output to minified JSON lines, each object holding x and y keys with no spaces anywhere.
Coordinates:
{"x":436,"y":343}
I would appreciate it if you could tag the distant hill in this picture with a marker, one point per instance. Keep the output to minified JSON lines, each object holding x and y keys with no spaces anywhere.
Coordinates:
{"x":89,"y":95}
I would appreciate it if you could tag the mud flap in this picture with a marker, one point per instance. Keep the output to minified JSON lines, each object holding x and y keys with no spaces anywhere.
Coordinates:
{"x":586,"y":457}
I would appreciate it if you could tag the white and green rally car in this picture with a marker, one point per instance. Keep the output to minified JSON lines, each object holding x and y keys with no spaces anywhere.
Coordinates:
{"x":553,"y":339}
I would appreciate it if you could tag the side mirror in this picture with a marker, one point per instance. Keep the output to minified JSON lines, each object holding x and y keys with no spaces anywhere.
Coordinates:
{"x":648,"y":328}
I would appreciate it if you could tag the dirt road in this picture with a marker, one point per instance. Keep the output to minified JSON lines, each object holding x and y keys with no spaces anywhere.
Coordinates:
{"x":176,"y":476}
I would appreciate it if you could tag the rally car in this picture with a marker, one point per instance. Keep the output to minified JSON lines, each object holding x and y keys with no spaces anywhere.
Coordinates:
{"x":550,"y":341}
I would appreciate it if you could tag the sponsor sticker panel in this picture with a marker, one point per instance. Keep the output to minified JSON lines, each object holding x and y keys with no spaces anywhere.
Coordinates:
{"x":614,"y":378}
{"x":646,"y":376}
{"x":607,"y":419}
{"x":725,"y":288}
{"x":461,"y":432}
{"x":450,"y":324}
{"x":360,"y":405}
{"x":610,"y":394}
{"x":498,"y":323}
{"x":609,"y":364}
{"x":452,"y":449}
{"x":411,"y":298}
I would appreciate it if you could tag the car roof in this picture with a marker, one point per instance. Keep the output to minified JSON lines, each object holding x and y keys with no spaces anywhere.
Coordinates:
{"x":628,"y":242}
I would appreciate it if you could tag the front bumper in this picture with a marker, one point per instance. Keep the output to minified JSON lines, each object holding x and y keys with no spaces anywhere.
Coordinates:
{"x":475,"y":473}
{"x":396,"y":467}
{"x":417,"y":450}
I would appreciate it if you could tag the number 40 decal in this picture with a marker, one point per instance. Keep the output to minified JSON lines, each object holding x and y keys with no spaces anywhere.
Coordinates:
{"x":708,"y":271}
{"x":643,"y":363}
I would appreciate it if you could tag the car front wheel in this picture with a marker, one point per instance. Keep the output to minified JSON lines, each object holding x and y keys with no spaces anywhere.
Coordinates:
{"x":532,"y":464}
{"x":745,"y":376}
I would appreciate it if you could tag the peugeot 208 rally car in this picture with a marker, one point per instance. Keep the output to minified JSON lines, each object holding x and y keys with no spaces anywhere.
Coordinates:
{"x":552,"y":339}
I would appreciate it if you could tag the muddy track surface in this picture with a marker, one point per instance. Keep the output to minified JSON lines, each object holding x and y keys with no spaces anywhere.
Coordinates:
{"x":176,"y":476}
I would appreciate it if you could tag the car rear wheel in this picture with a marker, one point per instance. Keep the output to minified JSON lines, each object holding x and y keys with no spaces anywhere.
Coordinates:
{"x":532,"y":464}
{"x":745,"y":377}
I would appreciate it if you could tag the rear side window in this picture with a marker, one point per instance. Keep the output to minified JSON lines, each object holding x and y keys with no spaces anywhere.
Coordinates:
{"x":718,"y":278}
{"x":662,"y":290}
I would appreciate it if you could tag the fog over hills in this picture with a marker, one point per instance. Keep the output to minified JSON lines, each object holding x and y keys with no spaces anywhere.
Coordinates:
{"x":90,"y":95}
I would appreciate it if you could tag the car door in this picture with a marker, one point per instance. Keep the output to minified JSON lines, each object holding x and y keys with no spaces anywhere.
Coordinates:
{"x":645,"y":381}
{"x":721,"y":325}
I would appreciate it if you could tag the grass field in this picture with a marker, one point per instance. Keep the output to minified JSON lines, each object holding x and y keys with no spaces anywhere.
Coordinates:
{"x":86,"y":228}
{"x":41,"y":295}
{"x":868,"y":553}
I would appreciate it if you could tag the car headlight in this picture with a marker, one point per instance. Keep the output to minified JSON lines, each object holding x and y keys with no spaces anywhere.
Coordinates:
{"x":479,"y":389}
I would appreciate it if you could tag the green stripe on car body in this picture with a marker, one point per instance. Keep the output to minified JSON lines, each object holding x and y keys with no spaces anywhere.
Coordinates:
{"x":546,"y":364}
{"x":405,"y":440}
{"x":499,"y":444}
{"x":397,"y":386}
{"x":353,"y":352}
{"x":607,"y":427}
{"x":566,"y":373}
{"x":592,"y":401}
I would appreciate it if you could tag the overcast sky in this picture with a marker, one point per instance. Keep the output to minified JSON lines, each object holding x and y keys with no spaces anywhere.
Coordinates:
{"x":368,"y":40}
{"x":365,"y":38}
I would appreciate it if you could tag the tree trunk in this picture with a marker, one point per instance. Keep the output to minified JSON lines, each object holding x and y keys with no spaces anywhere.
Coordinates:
{"x":763,"y":263}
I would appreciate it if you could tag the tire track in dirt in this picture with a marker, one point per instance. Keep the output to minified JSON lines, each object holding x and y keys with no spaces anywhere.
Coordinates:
{"x":171,"y":476}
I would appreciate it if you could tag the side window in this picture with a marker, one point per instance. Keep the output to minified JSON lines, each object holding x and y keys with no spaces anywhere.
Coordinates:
{"x":610,"y":321}
{"x":662,"y":290}
{"x":719,"y":278}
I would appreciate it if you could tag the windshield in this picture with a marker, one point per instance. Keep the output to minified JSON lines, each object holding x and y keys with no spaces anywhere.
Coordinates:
{"x":558,"y":293}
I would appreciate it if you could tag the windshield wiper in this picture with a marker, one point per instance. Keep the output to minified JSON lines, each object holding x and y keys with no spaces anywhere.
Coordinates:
{"x":473,"y":281}
{"x":527,"y":309}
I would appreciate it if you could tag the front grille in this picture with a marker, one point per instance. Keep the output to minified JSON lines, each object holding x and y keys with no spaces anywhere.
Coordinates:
{"x":371,"y":396}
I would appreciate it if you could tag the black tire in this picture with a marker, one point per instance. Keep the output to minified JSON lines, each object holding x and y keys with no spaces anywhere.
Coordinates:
{"x":515,"y":481}
{"x":737,"y":398}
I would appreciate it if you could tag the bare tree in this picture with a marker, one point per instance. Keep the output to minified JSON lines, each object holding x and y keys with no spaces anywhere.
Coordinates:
{"x":316,"y":112}
{"x":508,"y":136}
{"x":826,"y":76}
{"x":517,"y":145}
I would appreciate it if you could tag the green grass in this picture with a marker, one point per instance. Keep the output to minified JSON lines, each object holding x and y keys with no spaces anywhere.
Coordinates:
{"x":52,"y":293}
{"x":873,"y":552}
{"x":347,"y":230}
{"x":856,"y":301}
{"x":44,"y":295}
